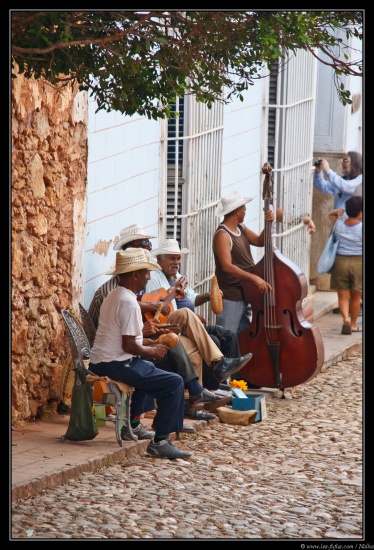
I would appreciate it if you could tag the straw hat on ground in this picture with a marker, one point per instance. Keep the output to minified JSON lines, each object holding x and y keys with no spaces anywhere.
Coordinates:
{"x":169,"y":246}
{"x":230,"y":416}
{"x":230,"y":203}
{"x":131,"y":233}
{"x":132,"y":259}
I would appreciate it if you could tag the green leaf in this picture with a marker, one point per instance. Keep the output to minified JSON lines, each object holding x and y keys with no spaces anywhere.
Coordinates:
{"x":127,"y":61}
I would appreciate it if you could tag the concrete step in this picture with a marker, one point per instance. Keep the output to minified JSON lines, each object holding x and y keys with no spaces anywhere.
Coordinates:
{"x":318,"y":303}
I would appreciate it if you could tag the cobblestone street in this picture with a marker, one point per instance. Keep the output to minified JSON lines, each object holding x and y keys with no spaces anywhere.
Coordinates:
{"x":295,"y":475}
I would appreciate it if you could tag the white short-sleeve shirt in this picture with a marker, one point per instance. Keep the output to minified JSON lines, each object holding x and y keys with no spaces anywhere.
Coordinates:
{"x":120,"y":314}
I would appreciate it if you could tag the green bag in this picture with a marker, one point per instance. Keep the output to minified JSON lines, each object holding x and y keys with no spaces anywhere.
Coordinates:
{"x":82,"y":424}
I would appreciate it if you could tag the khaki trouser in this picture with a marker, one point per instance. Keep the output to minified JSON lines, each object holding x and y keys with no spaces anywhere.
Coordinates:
{"x":192,"y":328}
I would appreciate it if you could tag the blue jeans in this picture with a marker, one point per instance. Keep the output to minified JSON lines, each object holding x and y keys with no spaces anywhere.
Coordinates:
{"x":149,"y":381}
{"x":226,"y":340}
{"x":232,"y":316}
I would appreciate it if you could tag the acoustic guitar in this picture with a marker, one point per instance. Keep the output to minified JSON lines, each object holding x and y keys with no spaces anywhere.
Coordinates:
{"x":162,"y":296}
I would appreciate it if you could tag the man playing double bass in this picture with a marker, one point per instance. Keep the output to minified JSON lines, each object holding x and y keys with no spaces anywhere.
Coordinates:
{"x":233,"y":259}
{"x":287,"y":349}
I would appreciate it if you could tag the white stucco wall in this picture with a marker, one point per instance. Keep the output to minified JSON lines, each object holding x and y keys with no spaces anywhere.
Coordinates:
{"x":122,"y":186}
{"x":125,"y":173}
{"x":338,"y":128}
{"x":124,"y":176}
{"x":242,"y":153}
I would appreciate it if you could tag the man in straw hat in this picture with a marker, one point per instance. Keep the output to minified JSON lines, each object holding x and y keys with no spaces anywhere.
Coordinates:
{"x":176,"y":360}
{"x":191,"y":326}
{"x":119,"y":347}
{"x":132,"y":236}
{"x":226,"y":340}
{"x":198,"y":346}
{"x":233,"y":258}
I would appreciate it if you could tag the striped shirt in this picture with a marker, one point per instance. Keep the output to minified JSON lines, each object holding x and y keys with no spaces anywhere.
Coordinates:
{"x":97,"y":300}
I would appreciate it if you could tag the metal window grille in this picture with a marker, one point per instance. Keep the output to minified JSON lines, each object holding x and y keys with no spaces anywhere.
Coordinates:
{"x":290,"y":128}
{"x":193,"y":188}
{"x":194,"y":181}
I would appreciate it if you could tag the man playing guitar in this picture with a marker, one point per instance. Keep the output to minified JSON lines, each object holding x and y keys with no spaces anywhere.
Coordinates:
{"x":134,"y":236}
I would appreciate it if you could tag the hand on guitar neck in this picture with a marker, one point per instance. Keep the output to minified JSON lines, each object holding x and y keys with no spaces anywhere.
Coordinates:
{"x":179,"y":286}
{"x":157,"y":304}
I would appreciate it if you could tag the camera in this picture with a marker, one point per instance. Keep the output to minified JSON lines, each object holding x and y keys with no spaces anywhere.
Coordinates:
{"x":318,"y":163}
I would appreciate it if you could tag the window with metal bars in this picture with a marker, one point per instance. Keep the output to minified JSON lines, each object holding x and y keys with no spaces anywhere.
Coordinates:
{"x":174,"y":208}
{"x":273,"y":83}
{"x":175,"y":162}
{"x":173,"y":124}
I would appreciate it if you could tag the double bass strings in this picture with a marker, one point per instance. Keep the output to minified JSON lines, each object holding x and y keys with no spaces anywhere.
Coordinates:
{"x":269,"y":298}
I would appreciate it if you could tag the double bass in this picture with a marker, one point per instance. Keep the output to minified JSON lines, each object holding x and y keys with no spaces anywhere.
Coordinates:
{"x":287,"y":350}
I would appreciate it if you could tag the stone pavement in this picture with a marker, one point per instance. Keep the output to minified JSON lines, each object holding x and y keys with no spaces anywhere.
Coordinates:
{"x":296,"y":476}
{"x":41,"y":461}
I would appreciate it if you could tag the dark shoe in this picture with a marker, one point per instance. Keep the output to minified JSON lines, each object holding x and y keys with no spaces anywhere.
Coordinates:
{"x":346,"y":329}
{"x":198,"y":415}
{"x":127,"y":433}
{"x":204,"y":397}
{"x":188,"y":429}
{"x":141,"y":432}
{"x":218,"y":403}
{"x":208,"y":398}
{"x":227,"y":366}
{"x":165,"y":449}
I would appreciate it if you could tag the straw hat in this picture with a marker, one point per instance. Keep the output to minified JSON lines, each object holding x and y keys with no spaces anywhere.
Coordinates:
{"x":230,"y":203}
{"x":231,"y":416}
{"x":131,"y":233}
{"x":148,"y":254}
{"x":169,"y":246}
{"x":132,"y":259}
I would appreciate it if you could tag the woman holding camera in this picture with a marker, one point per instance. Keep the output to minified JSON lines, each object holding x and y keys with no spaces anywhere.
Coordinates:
{"x":341,"y":187}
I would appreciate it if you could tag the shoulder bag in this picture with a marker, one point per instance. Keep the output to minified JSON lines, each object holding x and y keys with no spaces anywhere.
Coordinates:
{"x":327,"y":258}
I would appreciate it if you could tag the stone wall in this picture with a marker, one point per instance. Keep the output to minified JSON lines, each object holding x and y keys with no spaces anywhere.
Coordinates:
{"x":49,"y":165}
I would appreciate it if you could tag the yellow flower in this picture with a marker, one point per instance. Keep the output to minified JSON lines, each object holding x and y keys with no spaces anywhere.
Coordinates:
{"x":241,"y":384}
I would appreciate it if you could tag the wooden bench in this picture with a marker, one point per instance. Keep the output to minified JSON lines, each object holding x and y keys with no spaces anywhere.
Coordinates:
{"x":119,"y":395}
